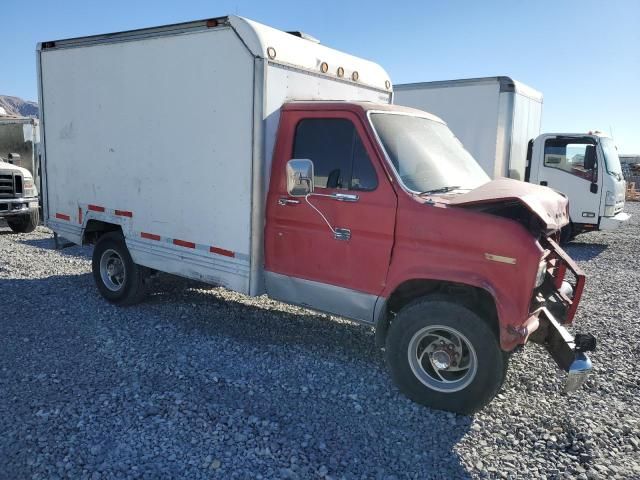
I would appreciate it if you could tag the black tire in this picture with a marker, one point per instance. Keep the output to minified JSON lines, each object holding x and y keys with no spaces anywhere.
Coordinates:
{"x":427,"y":314}
{"x":26,"y":223}
{"x":566,"y":234}
{"x":125,"y":288}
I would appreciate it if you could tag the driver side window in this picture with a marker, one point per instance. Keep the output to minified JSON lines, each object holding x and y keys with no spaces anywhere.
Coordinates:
{"x":340,"y":160}
{"x":578,"y":159}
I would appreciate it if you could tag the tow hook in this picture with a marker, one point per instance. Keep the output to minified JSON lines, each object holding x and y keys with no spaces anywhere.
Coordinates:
{"x":584,"y":342}
{"x":569,"y":352}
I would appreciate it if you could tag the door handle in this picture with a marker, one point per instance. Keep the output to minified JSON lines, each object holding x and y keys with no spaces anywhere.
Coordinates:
{"x":345,"y":197}
{"x":341,"y":233}
{"x":284,"y":201}
{"x":543,"y":183}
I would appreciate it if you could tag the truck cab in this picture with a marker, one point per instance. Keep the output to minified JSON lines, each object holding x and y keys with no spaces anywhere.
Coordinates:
{"x":378,"y":212}
{"x":587,"y":169}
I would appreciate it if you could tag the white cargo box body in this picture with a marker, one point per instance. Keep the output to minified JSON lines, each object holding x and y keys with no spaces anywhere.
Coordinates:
{"x":168,"y":132}
{"x":494,"y":117}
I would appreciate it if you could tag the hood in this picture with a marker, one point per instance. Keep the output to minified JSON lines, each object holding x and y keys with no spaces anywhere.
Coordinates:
{"x":549,"y":206}
{"x":8,"y":167}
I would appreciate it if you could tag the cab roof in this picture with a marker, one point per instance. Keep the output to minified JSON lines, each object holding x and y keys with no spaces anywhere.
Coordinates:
{"x":358,"y":106}
{"x":591,"y":133}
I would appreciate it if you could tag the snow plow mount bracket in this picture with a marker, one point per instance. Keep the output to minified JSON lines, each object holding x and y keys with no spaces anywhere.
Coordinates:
{"x":568,"y":352}
{"x":567,"y":263}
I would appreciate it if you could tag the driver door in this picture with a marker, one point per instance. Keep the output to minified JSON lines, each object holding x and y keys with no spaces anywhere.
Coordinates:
{"x":306,"y":263}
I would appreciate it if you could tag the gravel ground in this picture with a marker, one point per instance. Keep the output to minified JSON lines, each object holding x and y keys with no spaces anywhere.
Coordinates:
{"x":204,"y":383}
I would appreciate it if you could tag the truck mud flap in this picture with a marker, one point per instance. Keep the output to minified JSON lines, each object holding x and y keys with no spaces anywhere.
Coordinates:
{"x":61,"y":243}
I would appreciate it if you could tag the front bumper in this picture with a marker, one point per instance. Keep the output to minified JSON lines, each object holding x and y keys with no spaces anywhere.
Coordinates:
{"x":569,"y":352}
{"x":11,"y":207}
{"x":615,"y":222}
{"x":559,"y":299}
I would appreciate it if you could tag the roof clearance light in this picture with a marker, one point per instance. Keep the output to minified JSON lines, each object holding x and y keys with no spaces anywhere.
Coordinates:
{"x":354,"y":76}
{"x":340,"y":72}
{"x":271,"y":53}
{"x":212,"y":23}
{"x":324,"y":67}
{"x":387,"y":84}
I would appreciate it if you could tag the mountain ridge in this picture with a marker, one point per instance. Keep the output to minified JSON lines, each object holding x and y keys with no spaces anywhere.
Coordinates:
{"x":18,"y":107}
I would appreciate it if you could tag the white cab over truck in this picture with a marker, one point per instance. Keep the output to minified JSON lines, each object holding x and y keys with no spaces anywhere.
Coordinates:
{"x":229,"y":152}
{"x":498,"y":119}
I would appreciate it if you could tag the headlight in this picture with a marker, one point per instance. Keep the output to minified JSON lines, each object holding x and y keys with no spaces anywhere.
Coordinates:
{"x":29,"y":188}
{"x":609,"y":204}
{"x":610,"y":199}
{"x":541,"y":274}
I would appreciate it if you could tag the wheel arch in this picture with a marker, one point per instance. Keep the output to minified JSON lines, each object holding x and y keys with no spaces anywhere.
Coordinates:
{"x":476,"y":298}
{"x":94,"y":229}
{"x":132,"y":285}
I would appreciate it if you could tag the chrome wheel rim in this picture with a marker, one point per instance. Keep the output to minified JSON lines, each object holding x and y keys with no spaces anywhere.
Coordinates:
{"x":442,"y":358}
{"x":112,"y":270}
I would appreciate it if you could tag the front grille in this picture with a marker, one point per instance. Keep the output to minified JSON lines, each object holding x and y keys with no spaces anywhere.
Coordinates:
{"x":7,"y":185}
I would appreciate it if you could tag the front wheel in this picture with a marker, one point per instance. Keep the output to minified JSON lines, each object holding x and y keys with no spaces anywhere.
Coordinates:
{"x":567,"y":233}
{"x":118,"y":279}
{"x":443,"y":355}
{"x":26,"y":223}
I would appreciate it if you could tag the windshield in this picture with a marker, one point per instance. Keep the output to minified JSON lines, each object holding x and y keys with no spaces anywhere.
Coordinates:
{"x":426,"y":154}
{"x":611,"y":157}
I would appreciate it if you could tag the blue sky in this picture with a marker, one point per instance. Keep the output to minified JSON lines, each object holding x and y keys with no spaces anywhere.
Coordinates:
{"x":584,"y":55}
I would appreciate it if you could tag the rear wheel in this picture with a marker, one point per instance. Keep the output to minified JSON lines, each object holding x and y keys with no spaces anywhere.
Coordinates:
{"x":118,"y":279}
{"x":443,"y":355}
{"x":24,"y":223}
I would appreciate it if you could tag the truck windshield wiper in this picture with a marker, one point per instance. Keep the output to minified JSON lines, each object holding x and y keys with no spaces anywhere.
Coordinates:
{"x":440,"y":190}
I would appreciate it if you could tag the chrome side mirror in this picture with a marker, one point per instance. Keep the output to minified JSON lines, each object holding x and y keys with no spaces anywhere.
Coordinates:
{"x":299,"y":177}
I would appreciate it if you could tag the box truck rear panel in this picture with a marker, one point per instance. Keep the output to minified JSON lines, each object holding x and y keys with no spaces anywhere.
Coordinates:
{"x":494,"y":117}
{"x":161,"y":128}
{"x":527,"y":118}
{"x":471,"y":112}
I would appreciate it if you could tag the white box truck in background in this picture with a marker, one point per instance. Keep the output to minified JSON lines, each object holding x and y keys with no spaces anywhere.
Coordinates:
{"x":498,"y":121}
{"x":295,"y":176}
